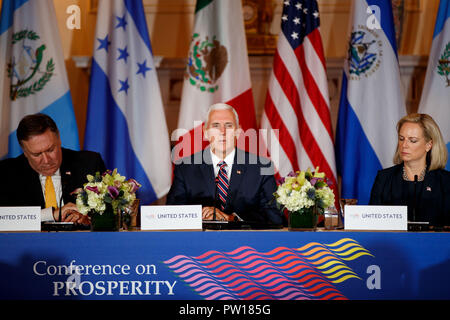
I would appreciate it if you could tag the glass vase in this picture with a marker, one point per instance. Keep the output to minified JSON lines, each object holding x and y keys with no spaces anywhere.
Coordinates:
{"x":304,"y":219}
{"x":107,"y":221}
{"x":129,"y":216}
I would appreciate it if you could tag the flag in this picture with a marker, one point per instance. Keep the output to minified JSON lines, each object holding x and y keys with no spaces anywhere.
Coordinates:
{"x":435,"y":99}
{"x":32,"y":72}
{"x":217,"y":71}
{"x":372,"y":100}
{"x":125,"y":119}
{"x":297,"y":101}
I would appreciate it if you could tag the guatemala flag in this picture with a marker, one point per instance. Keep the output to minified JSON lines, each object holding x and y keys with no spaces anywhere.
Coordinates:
{"x":372,"y":100}
{"x":125,"y":119}
{"x":32,"y":72}
{"x":436,"y":91}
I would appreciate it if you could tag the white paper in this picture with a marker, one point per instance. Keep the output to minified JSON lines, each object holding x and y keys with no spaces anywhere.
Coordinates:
{"x":171,"y":217}
{"x":20,"y":218}
{"x":376,"y":218}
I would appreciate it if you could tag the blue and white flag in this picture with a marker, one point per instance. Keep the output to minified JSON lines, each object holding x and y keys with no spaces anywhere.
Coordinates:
{"x":32,"y":72}
{"x":372,"y":100}
{"x":125,"y":119}
{"x":436,"y":91}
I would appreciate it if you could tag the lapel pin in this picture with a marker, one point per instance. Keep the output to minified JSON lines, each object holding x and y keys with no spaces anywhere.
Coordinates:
{"x":429,"y":189}
{"x":238,"y":171}
{"x":68,"y":173}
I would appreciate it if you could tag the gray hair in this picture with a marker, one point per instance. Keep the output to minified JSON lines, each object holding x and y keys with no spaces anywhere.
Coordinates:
{"x":222,"y":106}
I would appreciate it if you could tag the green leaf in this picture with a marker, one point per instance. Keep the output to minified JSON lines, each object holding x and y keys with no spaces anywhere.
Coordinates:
{"x":320,"y":184}
{"x":108,"y":199}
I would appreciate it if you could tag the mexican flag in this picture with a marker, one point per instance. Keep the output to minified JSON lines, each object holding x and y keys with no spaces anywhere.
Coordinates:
{"x":217,"y":71}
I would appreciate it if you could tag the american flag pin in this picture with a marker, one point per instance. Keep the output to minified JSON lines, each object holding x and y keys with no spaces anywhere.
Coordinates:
{"x":238,"y":171}
{"x":429,"y":189}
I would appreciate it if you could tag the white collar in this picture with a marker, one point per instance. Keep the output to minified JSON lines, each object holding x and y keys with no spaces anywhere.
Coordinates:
{"x":229,"y":159}
{"x":56,"y":174}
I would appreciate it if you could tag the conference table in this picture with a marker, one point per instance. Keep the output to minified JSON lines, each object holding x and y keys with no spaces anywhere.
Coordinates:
{"x":225,"y":265}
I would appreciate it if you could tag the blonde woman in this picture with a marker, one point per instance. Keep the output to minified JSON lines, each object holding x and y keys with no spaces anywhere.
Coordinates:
{"x":418,"y":179}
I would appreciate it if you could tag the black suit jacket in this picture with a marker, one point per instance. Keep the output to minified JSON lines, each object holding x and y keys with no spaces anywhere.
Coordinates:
{"x":21,"y":185}
{"x":250,"y":193}
{"x":433,"y":202}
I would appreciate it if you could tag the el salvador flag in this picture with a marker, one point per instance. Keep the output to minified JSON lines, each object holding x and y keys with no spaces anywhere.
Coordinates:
{"x":125,"y":119}
{"x":32,"y":72}
{"x":436,"y":91}
{"x":372,"y":100}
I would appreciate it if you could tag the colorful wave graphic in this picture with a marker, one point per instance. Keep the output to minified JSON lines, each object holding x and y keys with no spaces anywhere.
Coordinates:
{"x":327,"y":258}
{"x":306,"y":273}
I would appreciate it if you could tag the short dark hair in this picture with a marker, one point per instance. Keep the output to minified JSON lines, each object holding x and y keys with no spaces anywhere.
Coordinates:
{"x":33,"y":125}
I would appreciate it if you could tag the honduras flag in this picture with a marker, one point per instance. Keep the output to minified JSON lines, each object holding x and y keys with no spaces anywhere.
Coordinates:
{"x":125,"y":119}
{"x":436,"y":91}
{"x":32,"y":72}
{"x":372,"y":100}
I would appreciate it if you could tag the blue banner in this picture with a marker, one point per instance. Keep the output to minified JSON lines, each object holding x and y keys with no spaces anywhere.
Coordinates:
{"x":225,"y":266}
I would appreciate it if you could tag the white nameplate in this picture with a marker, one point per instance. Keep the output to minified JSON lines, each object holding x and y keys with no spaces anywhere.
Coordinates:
{"x":20,"y":218}
{"x":376,"y":218}
{"x":171,"y":217}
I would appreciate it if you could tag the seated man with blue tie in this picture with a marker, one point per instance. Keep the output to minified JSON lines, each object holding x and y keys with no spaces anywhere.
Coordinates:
{"x":230,"y":184}
{"x":46,"y":174}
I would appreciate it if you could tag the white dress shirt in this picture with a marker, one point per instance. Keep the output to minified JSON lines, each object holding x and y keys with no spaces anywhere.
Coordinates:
{"x":229,"y":160}
{"x":47,"y":213}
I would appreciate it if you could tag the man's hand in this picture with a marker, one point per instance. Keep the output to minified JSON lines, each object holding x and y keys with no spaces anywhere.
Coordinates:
{"x":208,"y":213}
{"x":69,"y":213}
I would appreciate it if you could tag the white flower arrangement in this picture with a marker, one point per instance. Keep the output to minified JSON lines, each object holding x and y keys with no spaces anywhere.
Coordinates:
{"x":106,"y":190}
{"x":305,"y":189}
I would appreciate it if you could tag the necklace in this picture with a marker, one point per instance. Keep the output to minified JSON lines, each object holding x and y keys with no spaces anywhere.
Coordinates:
{"x":420,"y":178}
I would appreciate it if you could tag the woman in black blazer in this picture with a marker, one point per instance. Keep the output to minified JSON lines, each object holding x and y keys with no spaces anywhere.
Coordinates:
{"x":418,"y":180}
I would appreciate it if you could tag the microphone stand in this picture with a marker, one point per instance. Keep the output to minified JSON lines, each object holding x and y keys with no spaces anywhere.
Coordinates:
{"x":215,"y":198}
{"x":63,"y":187}
{"x":58,"y":225}
{"x":60,"y":203}
{"x":415,"y":198}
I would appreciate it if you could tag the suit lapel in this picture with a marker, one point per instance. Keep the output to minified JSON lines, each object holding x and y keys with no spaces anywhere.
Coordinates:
{"x":397,"y":189}
{"x":67,"y":177}
{"x":207,"y":172}
{"x":33,"y":187}
{"x":36,"y":188}
{"x":430,"y":186}
{"x":237,"y":175}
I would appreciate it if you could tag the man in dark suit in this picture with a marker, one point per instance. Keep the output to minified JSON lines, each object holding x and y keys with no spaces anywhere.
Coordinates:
{"x":226,"y":181}
{"x":45,"y":165}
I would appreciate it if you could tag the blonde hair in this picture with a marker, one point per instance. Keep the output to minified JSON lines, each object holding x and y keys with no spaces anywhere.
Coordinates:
{"x":437,"y":156}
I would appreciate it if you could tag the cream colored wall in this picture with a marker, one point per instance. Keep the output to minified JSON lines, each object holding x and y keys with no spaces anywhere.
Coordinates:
{"x":170,"y":24}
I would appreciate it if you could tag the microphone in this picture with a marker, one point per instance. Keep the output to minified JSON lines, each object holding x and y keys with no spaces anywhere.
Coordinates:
{"x":63,"y":189}
{"x":215,"y":197}
{"x":416,"y":178}
{"x":415,"y":225}
{"x":63,"y":184}
{"x":58,"y":225}
{"x":59,"y":207}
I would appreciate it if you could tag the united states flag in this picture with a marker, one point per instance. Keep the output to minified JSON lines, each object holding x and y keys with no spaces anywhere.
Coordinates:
{"x":297,"y":101}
